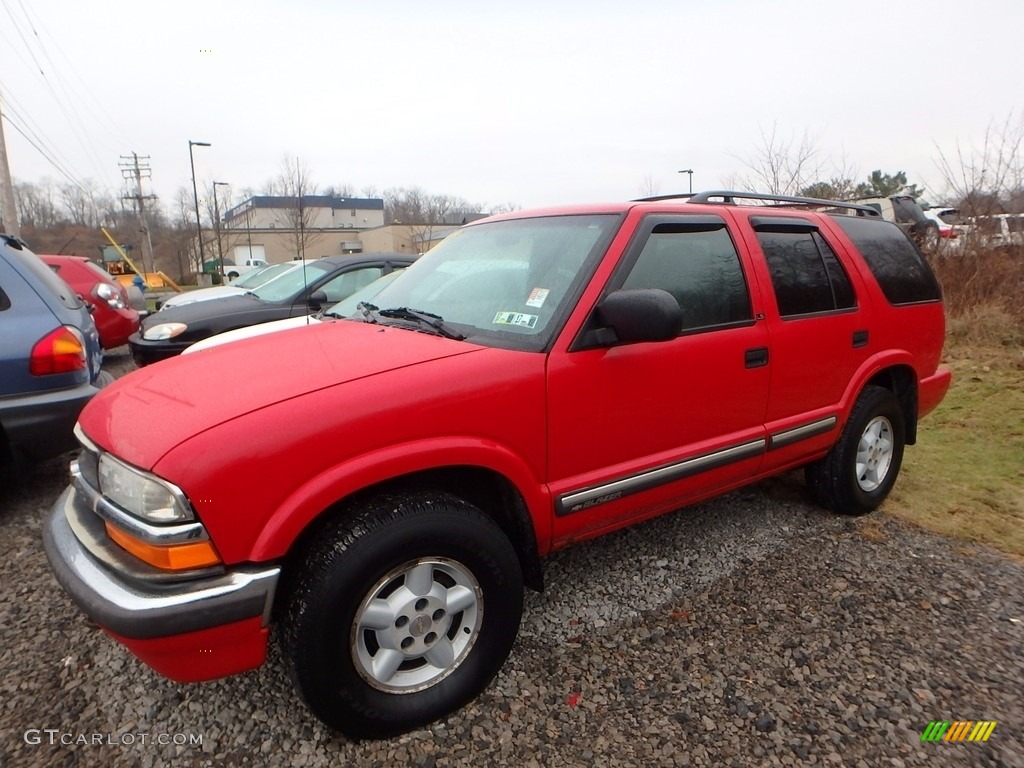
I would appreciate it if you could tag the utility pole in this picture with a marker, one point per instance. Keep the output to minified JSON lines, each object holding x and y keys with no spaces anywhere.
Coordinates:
{"x":10,"y":207}
{"x":132,"y":169}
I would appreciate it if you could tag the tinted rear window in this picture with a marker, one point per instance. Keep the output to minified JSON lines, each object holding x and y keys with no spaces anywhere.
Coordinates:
{"x":899,"y":268}
{"x":806,"y":273}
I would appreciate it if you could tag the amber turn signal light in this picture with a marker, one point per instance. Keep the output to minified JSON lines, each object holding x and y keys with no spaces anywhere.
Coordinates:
{"x":176,"y":557}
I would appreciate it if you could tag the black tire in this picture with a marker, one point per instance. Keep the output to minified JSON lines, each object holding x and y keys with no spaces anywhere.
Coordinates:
{"x":375,"y":553}
{"x":836,"y":481}
{"x":232,"y":275}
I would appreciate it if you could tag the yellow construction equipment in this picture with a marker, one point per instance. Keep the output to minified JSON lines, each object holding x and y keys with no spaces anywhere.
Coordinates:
{"x":151,"y":279}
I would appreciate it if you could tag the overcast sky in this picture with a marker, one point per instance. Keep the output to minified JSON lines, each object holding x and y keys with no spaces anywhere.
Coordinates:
{"x":534,"y":103}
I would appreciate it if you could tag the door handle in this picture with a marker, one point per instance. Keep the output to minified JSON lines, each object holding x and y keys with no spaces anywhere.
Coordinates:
{"x":860,"y":339}
{"x":756,"y":358}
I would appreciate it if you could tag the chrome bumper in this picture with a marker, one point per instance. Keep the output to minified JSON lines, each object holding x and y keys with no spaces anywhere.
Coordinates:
{"x":145,"y":609}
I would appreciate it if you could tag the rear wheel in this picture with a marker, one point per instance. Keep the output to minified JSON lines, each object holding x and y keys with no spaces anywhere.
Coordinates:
{"x":860,"y":470}
{"x":403,"y":614}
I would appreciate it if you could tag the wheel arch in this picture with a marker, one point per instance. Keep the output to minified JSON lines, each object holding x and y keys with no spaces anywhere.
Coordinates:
{"x":901,"y":380}
{"x":484,"y":488}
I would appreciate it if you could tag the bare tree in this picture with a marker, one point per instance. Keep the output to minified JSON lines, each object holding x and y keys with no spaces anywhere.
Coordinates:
{"x":36,"y":203}
{"x":294,"y":183}
{"x":780,"y":165}
{"x":649,"y":187}
{"x":79,"y":201}
{"x":340,"y":190}
{"x":424,"y":213}
{"x":989,"y":178}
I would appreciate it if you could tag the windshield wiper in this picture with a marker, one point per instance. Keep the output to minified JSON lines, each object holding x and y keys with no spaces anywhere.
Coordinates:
{"x":418,"y":316}
{"x":368,"y":311}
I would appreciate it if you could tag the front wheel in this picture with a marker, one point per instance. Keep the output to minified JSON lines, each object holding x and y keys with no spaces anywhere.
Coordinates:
{"x":860,"y":470}
{"x":403,"y":614}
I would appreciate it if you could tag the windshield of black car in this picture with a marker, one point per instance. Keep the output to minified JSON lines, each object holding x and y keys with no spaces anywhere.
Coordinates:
{"x":287,"y":285}
{"x":504,"y":282}
{"x":261,"y":275}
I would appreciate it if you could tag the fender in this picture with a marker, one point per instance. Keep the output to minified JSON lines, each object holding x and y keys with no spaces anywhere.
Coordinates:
{"x":870,"y":368}
{"x":318,"y":493}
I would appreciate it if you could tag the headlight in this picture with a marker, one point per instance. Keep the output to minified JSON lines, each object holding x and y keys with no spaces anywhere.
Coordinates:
{"x":162,"y":331}
{"x":141,"y":494}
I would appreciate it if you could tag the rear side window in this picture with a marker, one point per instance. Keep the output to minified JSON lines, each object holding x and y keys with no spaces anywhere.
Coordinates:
{"x":899,"y":268}
{"x":699,"y":266}
{"x":806,"y":273}
{"x":5,"y":303}
{"x":907,"y":210}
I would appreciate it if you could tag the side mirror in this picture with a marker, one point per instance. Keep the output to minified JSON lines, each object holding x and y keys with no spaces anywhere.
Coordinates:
{"x":316,"y":300}
{"x":638,"y":314}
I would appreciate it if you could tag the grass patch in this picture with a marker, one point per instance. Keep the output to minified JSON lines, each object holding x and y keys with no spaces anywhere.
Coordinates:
{"x":965,"y":476}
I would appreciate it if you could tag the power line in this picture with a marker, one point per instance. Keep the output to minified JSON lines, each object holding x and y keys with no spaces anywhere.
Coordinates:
{"x":83,"y":86}
{"x":42,"y":152}
{"x":14,"y":109}
{"x":66,"y":110}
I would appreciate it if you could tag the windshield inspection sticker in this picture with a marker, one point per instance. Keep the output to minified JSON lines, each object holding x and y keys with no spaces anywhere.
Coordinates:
{"x":515,"y":318}
{"x":537,"y":297}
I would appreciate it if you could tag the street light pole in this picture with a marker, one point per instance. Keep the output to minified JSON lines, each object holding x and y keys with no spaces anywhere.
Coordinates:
{"x":689,"y":171}
{"x":216,"y":225}
{"x":195,"y":199}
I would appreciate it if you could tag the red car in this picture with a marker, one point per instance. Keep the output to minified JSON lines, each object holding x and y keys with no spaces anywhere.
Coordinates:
{"x":115,"y":319}
{"x":382,"y":486}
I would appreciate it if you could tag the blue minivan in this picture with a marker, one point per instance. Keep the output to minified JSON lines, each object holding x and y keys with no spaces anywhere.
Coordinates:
{"x":50,"y":357}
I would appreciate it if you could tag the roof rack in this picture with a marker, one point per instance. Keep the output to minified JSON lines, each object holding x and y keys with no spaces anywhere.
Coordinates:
{"x":730,"y":198}
{"x":659,"y":198}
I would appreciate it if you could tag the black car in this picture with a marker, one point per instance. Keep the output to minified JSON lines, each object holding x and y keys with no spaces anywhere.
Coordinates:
{"x":299,"y":292}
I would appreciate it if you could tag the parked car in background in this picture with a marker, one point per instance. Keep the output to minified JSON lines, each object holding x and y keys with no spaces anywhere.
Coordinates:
{"x":112,"y":312}
{"x":50,"y":356}
{"x":233,"y":271}
{"x":998,"y":230}
{"x":383,"y":487}
{"x":344,"y":308}
{"x":307,"y":289}
{"x":908,"y":215}
{"x":248,"y":282}
{"x":951,"y":225}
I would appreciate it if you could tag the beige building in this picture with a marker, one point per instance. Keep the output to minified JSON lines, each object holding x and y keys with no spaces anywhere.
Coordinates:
{"x":268,"y":227}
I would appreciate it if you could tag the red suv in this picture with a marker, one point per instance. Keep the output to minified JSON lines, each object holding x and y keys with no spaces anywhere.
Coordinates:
{"x":384,"y":490}
{"x":115,"y":319}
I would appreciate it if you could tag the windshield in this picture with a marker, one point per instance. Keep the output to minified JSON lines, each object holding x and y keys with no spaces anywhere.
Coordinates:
{"x":350,"y":306}
{"x":505,"y":282}
{"x":262,"y":275}
{"x":286,"y":286}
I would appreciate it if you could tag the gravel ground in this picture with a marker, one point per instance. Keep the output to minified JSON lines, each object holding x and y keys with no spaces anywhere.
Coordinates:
{"x":752,"y":630}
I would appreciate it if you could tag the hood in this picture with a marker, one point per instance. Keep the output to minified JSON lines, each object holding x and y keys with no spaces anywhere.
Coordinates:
{"x":203,"y":294}
{"x":251,"y":331}
{"x":145,"y":414}
{"x":232,"y":304}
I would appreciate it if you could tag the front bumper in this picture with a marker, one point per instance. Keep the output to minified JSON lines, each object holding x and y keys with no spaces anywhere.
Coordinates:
{"x":189,"y":630}
{"x":145,"y":352}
